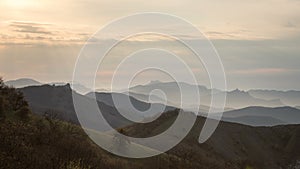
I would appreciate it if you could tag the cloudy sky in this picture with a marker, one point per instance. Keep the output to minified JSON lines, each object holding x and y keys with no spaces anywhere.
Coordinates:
{"x":257,"y":40}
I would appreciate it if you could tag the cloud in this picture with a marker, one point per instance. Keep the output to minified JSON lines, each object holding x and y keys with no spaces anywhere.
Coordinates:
{"x":250,"y":36}
{"x":28,"y":27}
{"x":31,"y":33}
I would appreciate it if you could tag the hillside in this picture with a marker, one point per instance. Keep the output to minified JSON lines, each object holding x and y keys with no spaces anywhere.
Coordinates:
{"x":58,"y":102}
{"x":128,"y":103}
{"x":232,"y":145}
{"x":34,"y":142}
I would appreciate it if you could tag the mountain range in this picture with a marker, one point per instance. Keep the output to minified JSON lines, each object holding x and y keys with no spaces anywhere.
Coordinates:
{"x":123,"y":101}
{"x":236,"y":99}
{"x":290,"y":97}
{"x":238,"y":142}
{"x":58,"y":100}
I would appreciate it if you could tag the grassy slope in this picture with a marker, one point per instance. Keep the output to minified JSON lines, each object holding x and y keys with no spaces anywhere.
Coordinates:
{"x":232,"y":144}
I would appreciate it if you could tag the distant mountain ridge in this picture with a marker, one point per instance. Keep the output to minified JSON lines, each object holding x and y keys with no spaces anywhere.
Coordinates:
{"x":241,"y":99}
{"x":291,"y":97}
{"x":235,"y":99}
{"x":263,"y":116}
{"x":58,"y":100}
{"x":24,"y":82}
{"x":27,"y":82}
{"x":246,"y":109}
{"x":75,"y":86}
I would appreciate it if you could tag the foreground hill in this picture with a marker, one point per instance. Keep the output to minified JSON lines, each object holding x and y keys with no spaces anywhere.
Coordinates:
{"x":232,"y":145}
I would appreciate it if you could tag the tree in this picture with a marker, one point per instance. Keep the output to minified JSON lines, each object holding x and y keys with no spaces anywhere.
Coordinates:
{"x":1,"y":83}
{"x":19,"y":101}
{"x":23,"y":113}
{"x":2,"y":113}
{"x":12,"y":101}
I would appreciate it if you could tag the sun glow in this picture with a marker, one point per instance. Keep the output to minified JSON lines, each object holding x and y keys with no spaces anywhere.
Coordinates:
{"x":19,"y":3}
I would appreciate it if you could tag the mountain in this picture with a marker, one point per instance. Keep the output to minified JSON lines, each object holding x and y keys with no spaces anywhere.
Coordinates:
{"x":58,"y":102}
{"x":238,"y":99}
{"x":290,"y":98}
{"x":30,"y":143}
{"x":147,"y":98}
{"x":26,"y":82}
{"x":255,"y":120}
{"x":172,"y":92}
{"x":75,"y":86}
{"x":241,"y":99}
{"x":122,"y":101}
{"x":263,"y":116}
{"x":235,"y":99}
{"x":232,"y":146}
{"x":20,"y":83}
{"x":297,"y":107}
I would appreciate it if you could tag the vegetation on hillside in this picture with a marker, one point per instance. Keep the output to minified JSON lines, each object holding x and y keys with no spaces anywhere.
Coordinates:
{"x":12,"y":103}
{"x":34,"y":142}
{"x":44,"y":142}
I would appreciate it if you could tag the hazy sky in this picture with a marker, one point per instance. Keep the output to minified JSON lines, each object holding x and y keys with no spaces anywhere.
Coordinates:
{"x":258,"y":40}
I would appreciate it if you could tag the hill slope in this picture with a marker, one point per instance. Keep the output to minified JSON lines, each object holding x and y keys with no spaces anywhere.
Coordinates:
{"x":57,"y":101}
{"x":128,"y":103}
{"x":38,"y":142}
{"x":232,"y":145}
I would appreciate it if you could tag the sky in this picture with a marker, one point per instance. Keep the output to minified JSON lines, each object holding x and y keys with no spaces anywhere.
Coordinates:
{"x":257,"y":40}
